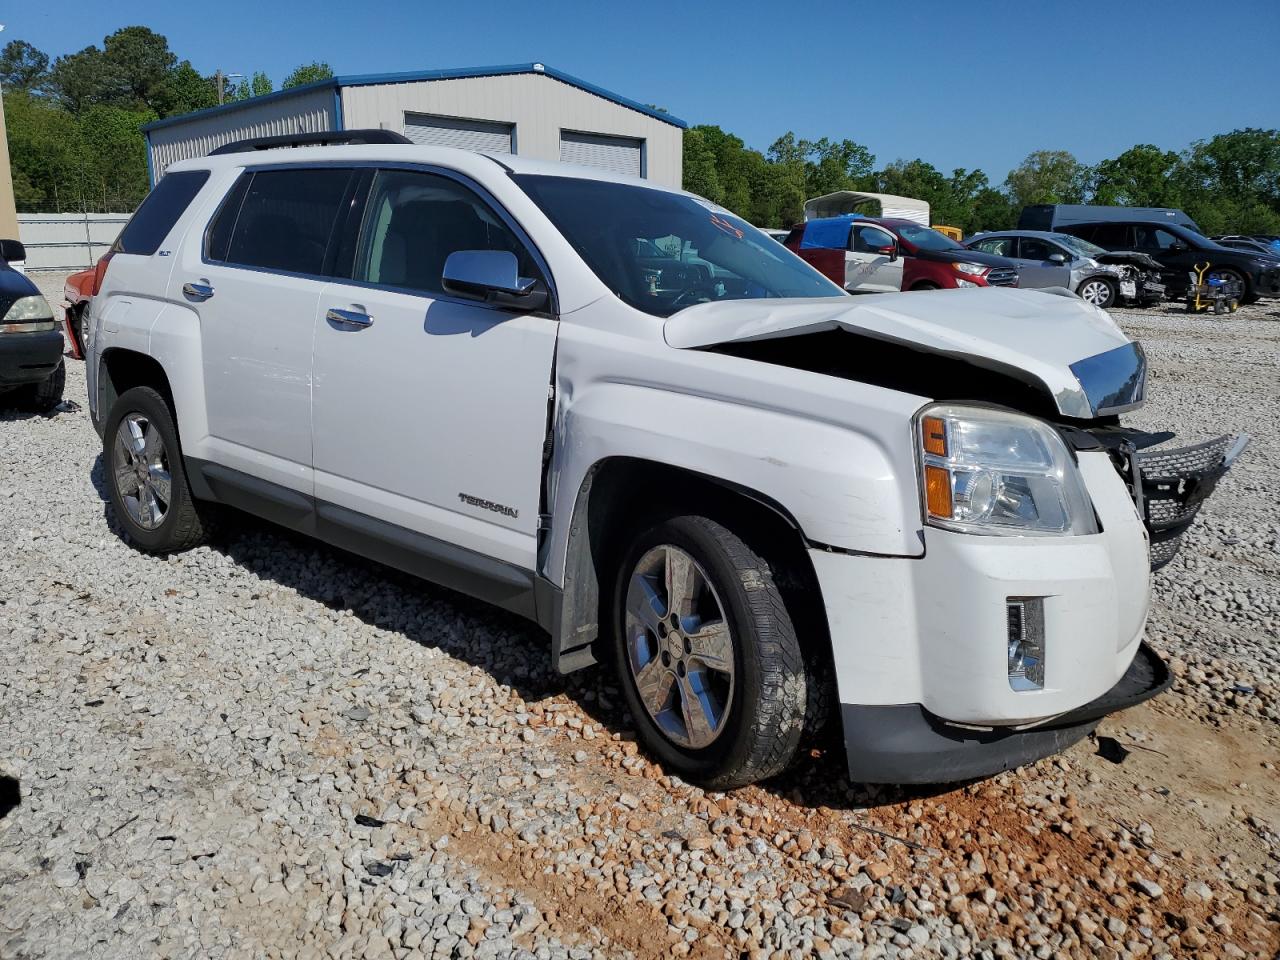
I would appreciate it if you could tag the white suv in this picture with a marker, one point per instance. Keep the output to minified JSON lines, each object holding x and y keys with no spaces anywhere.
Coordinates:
{"x":626,"y":414}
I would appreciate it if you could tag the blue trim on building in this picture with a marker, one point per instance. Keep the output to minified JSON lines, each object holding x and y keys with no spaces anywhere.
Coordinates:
{"x":367,"y":79}
{"x":151,"y":170}
{"x":337,"y":108}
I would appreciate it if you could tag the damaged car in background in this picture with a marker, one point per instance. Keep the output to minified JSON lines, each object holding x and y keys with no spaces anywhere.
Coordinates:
{"x":770,"y":506}
{"x":1098,"y":276}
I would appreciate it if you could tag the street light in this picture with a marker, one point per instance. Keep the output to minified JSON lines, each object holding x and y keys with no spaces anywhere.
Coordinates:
{"x":222,"y":78}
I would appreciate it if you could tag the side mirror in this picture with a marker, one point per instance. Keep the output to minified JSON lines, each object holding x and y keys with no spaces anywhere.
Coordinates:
{"x":1177,"y":246}
{"x":12,"y":250}
{"x":1058,"y":258}
{"x":492,"y":276}
{"x":891,"y":250}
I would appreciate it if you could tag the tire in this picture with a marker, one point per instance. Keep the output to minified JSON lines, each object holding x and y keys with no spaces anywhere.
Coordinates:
{"x":43,"y":396}
{"x":182,"y":522}
{"x":1228,"y":274}
{"x":926,"y":285}
{"x":738,"y":715}
{"x":1248,"y":298}
{"x":1099,"y":291}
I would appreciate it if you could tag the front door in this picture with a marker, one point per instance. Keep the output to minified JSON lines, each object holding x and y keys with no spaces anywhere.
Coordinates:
{"x":430,"y":411}
{"x":255,"y":282}
{"x":874,"y":262}
{"x":1035,"y":269}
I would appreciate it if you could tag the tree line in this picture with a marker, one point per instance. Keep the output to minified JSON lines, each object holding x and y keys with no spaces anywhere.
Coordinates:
{"x":1229,"y":183}
{"x":74,"y":142}
{"x":73,"y":123}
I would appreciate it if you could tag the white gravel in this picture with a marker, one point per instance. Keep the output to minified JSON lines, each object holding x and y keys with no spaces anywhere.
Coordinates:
{"x":268,"y":748}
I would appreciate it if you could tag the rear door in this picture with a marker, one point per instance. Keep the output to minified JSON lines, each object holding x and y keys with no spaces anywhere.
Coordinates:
{"x":873,"y":263}
{"x":255,"y":282}
{"x":431,"y":411}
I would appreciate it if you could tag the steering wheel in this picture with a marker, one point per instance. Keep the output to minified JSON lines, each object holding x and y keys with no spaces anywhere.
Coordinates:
{"x":698,"y":293}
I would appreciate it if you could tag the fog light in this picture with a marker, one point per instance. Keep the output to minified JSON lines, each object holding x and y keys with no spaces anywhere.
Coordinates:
{"x":1025,"y":618}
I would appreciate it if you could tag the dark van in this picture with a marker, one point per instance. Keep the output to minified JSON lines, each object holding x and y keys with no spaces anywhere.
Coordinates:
{"x":1055,"y":216}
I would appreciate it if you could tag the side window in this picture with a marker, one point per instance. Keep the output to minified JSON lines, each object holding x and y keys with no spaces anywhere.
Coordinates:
{"x":1147,"y":237}
{"x":279,"y":220}
{"x":870,"y":239}
{"x":1000,"y":246}
{"x":414,"y":220}
{"x":1111,"y":236}
{"x":152,"y":222}
{"x":1033,"y":248}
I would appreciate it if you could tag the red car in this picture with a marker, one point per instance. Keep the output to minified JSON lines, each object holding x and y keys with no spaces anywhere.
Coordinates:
{"x":880,"y":254}
{"x":76,"y":294}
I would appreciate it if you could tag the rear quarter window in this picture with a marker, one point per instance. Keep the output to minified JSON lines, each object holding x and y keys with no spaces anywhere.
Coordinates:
{"x":152,"y":222}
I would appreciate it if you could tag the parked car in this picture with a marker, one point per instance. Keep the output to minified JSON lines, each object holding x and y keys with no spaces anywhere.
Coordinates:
{"x":1055,"y":216}
{"x":1179,"y":251}
{"x":31,"y":370}
{"x":1059,"y":259}
{"x":1250,"y":244}
{"x":866,"y":255}
{"x":753,"y":495}
{"x":77,"y":291}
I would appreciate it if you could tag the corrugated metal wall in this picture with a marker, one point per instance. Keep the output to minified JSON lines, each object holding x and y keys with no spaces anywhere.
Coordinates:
{"x":305,"y":113}
{"x":68,"y":241}
{"x":539,"y":106}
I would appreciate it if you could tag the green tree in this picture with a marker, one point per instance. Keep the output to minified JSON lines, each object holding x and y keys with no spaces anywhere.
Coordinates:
{"x":699,"y":165}
{"x":44,"y":148}
{"x":186,"y":90}
{"x":1048,"y":176}
{"x":309,"y":73}
{"x":80,"y":79}
{"x":115,"y":159}
{"x":23,"y":67}
{"x":1142,"y":176}
{"x":255,"y":86}
{"x":140,"y":61}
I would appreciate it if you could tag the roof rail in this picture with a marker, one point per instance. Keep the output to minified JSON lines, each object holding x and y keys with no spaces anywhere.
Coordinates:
{"x":325,"y":138}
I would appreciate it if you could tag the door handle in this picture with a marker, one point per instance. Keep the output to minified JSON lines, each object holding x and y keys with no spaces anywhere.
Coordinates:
{"x":198,"y":291}
{"x":350,"y":318}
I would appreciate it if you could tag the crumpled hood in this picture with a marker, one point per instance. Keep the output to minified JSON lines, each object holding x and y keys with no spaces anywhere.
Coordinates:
{"x":1132,"y":257}
{"x":1055,"y":341}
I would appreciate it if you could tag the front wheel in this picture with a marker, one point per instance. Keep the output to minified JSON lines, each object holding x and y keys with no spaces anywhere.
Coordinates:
{"x":708,"y":655}
{"x":1099,"y":292}
{"x":42,"y":397}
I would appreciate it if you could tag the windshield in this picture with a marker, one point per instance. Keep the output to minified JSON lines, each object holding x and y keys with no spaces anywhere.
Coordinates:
{"x":661,"y":252}
{"x":926,"y":239}
{"x":1076,"y":245}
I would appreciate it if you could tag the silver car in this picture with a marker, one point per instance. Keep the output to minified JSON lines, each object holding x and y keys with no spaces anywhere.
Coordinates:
{"x":1060,"y":260}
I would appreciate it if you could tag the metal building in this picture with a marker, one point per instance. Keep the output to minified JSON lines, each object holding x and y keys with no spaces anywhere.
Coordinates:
{"x":529,"y":109}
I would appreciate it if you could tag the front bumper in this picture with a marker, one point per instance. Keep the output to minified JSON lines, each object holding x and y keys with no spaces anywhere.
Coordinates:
{"x":907,"y":744}
{"x":29,"y":357}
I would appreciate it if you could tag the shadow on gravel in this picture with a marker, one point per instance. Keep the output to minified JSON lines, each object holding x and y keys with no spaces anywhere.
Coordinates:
{"x":513,"y":651}
{"x":10,"y":795}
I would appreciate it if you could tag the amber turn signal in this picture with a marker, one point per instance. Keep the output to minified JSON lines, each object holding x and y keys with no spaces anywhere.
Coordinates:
{"x":937,"y":492}
{"x":934,"y":436}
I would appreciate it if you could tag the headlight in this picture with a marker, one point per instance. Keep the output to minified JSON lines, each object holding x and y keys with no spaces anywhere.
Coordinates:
{"x":998,"y":473}
{"x":27,"y":315}
{"x":973,"y":269}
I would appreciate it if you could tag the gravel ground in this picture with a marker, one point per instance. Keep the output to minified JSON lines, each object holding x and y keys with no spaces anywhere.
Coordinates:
{"x":267,"y":748}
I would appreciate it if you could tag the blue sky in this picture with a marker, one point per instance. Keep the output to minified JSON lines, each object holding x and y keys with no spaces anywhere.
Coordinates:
{"x":960,"y":84}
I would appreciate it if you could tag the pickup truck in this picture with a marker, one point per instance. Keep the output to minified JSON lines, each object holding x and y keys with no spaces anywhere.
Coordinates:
{"x":622,"y":412}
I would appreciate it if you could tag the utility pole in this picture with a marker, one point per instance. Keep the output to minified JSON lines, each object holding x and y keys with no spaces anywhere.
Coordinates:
{"x":222,"y":78}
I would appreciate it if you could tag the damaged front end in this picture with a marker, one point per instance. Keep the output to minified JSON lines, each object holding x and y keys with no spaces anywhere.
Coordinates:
{"x":1050,"y":356}
{"x":1139,"y":275}
{"x":1168,"y":485}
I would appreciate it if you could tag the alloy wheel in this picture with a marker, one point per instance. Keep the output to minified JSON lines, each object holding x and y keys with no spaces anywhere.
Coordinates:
{"x":1096,"y":292}
{"x":142,"y":471}
{"x":679,"y":647}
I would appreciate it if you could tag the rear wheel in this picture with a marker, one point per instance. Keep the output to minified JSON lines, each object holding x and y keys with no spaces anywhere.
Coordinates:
{"x":708,"y":655}
{"x":1098,"y":291}
{"x":146,"y":478}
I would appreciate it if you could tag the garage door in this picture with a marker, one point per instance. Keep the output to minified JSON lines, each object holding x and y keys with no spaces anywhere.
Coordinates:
{"x":618,"y":154}
{"x":482,"y":136}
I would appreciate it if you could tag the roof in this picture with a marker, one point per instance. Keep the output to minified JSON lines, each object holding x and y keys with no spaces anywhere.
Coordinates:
{"x":849,"y":201}
{"x":417,"y":76}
